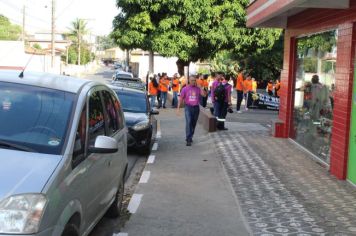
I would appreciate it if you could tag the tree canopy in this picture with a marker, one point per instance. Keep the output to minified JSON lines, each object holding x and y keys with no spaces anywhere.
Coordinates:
{"x":77,"y":30}
{"x":9,"y":31}
{"x":191,"y":30}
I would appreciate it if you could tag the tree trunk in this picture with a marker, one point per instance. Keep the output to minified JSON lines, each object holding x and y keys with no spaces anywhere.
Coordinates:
{"x":180,"y":65}
{"x":151,"y":62}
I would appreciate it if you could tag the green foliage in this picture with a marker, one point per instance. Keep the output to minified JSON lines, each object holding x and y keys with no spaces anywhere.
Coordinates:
{"x":190,"y":30}
{"x":9,"y":31}
{"x":105,"y":42}
{"x":85,"y":56}
{"x":36,"y":46}
{"x":323,"y":42}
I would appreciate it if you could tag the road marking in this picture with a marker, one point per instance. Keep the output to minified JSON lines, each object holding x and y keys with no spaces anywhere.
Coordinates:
{"x":121,"y":234}
{"x":155,"y":147}
{"x":145,"y":177}
{"x":151,"y":159}
{"x":268,"y":125}
{"x":159,"y":134}
{"x":134,"y":203}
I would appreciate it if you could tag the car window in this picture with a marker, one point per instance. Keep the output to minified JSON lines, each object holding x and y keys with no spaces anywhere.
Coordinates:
{"x":34,"y":118}
{"x":133,"y":102}
{"x":96,"y":117}
{"x":111,"y":115}
{"x":118,"y":108}
{"x":80,"y":139}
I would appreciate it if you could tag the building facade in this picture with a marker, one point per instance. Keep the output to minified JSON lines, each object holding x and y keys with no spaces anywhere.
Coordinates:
{"x":318,"y":89}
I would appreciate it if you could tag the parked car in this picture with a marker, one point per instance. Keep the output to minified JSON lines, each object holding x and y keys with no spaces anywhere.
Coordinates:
{"x":130,"y":84}
{"x":139,"y":118}
{"x":63,"y":154}
{"x":122,"y":75}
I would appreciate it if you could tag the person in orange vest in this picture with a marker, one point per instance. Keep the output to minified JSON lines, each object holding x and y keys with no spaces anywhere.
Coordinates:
{"x":247,"y":91}
{"x":175,"y":89}
{"x":163,"y":86}
{"x":153,"y":91}
{"x":239,"y":90}
{"x":269,"y":88}
{"x":277,"y":87}
{"x":204,"y":85}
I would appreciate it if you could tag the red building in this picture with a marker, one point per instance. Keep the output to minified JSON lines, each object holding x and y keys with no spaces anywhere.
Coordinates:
{"x":318,"y":95}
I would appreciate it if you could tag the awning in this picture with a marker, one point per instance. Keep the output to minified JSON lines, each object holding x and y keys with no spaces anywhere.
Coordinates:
{"x":274,"y":13}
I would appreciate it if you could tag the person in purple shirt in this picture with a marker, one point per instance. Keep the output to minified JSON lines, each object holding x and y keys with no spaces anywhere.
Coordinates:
{"x":190,"y":96}
{"x":221,"y":107}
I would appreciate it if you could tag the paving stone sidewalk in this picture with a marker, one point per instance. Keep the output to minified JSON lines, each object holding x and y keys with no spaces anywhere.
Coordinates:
{"x":281,"y":190}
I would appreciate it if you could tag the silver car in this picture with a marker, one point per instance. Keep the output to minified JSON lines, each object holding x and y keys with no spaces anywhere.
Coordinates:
{"x":63,"y":154}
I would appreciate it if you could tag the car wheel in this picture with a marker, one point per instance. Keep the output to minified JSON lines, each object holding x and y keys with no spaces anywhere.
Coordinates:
{"x":71,"y":230}
{"x":115,"y":208}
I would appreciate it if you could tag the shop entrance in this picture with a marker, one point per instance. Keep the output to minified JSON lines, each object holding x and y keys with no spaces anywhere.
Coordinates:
{"x":351,"y":172}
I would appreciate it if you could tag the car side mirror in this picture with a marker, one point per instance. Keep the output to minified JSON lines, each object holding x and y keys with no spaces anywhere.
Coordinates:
{"x":154,"y":112}
{"x":104,"y":144}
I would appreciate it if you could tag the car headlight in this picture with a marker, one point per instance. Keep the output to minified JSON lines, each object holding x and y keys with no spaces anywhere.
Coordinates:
{"x":141,"y":126}
{"x":21,"y":214}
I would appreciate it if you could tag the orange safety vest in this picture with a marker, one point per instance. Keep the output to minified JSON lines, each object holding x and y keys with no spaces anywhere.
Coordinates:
{"x":152,"y":90}
{"x":239,"y":82}
{"x":247,"y":85}
{"x":270,"y":87}
{"x":175,"y":84}
{"x":163,"y":85}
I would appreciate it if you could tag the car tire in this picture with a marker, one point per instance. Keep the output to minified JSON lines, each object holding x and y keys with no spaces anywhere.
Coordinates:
{"x":70,"y":230}
{"x":114,"y":210}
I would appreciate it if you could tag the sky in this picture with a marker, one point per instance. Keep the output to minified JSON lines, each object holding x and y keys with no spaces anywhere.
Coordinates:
{"x":98,"y":13}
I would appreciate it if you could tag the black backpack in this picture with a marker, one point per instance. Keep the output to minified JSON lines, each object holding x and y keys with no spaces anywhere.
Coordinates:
{"x":220,"y":93}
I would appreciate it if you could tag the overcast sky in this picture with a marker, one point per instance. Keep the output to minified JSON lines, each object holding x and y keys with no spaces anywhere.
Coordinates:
{"x":99,"y":14}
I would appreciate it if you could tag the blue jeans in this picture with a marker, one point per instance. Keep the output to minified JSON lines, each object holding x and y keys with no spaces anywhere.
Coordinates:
{"x":164,"y":98}
{"x":191,"y":119}
{"x":175,"y":99}
{"x":152,"y":101}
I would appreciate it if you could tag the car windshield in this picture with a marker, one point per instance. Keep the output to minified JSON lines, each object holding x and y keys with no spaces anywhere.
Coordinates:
{"x":133,"y":102}
{"x":33,"y":119}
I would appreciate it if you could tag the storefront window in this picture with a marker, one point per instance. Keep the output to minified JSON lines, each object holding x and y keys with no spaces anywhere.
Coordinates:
{"x":314,"y":88}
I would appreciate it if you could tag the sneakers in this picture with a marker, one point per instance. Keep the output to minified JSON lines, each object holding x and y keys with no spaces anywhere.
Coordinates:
{"x":239,"y":112}
{"x":189,"y":143}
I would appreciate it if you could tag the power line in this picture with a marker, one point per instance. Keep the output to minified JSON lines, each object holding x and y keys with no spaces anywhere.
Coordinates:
{"x":65,"y":8}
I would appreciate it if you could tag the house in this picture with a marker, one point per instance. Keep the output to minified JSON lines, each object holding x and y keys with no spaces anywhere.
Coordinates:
{"x":318,"y":81}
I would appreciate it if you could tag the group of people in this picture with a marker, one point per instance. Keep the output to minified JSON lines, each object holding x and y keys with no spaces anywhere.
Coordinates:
{"x":197,"y":89}
{"x":273,"y":87}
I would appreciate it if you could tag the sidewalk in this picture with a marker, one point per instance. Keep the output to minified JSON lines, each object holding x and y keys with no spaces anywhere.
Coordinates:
{"x":280,"y":189}
{"x":187,"y":190}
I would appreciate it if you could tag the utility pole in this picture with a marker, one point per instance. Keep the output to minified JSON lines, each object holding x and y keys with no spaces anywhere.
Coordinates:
{"x":53,"y":29}
{"x":23,"y":21}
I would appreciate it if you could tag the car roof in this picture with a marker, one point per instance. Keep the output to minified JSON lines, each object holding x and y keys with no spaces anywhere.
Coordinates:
{"x":126,"y":89}
{"x":46,"y":80}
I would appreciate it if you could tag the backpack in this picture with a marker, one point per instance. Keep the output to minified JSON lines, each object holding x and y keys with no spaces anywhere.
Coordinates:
{"x":220,"y":93}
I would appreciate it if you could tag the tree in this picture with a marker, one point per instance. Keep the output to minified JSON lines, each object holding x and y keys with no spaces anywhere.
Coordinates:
{"x":191,"y":30}
{"x":78,"y":30}
{"x":9,"y":31}
{"x":105,"y":42}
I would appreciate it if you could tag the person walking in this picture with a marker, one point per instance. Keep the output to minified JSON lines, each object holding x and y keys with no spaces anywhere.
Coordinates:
{"x":247,"y":91}
{"x":221,"y":99}
{"x":269,"y":88}
{"x":175,"y":89}
{"x":190,"y":96}
{"x":163,"y":86}
{"x":153,"y":91}
{"x":239,"y":90}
